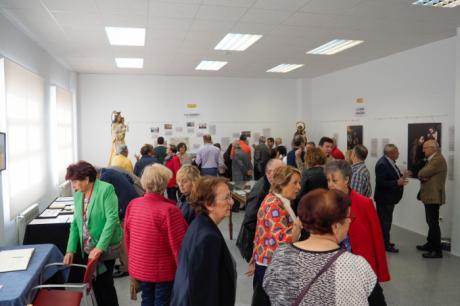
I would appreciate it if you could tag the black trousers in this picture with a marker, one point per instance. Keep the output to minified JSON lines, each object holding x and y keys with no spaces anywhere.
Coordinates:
{"x":103,"y":286}
{"x":259,"y":297}
{"x":377,"y":298}
{"x":172,"y":193}
{"x":434,"y":231}
{"x":385,"y":212}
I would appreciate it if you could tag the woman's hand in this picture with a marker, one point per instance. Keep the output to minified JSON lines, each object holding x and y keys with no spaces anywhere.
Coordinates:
{"x":251,"y":268}
{"x":95,"y":253}
{"x":68,"y":258}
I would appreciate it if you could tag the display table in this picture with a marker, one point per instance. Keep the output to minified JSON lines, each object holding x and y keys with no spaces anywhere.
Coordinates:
{"x":15,"y":286}
{"x":240,"y":191}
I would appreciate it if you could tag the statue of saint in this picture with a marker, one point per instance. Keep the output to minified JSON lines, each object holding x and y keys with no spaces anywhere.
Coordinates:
{"x":119,"y":129}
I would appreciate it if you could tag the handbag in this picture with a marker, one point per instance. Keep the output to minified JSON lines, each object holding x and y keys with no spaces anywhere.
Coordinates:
{"x":299,"y":299}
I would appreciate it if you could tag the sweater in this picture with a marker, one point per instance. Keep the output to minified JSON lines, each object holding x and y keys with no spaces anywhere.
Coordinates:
{"x":173,"y":164}
{"x":154,"y":229}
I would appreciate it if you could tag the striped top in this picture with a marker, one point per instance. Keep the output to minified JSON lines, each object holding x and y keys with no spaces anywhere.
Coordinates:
{"x":154,"y":228}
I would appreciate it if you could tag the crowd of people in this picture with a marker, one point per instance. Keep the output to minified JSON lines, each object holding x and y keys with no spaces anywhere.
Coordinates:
{"x":311,"y":234}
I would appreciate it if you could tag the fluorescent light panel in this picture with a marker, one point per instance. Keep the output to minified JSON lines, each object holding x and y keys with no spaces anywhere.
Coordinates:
{"x":126,"y":36}
{"x":210,"y":65}
{"x":438,"y":3}
{"x":284,"y":68}
{"x":335,"y":46}
{"x":237,"y":42}
{"x":129,"y":62}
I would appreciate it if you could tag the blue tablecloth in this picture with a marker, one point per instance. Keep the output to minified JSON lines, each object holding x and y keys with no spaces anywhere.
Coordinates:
{"x":16,"y":285}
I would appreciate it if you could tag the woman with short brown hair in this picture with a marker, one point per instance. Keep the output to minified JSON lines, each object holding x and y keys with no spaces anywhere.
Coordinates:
{"x":206,"y":274}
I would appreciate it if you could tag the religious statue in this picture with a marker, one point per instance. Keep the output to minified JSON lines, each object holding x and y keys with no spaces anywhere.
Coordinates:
{"x":119,"y":129}
{"x":300,"y":130}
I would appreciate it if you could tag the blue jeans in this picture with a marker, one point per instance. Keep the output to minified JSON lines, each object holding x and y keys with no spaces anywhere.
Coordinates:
{"x":209,"y":171}
{"x":156,"y":294}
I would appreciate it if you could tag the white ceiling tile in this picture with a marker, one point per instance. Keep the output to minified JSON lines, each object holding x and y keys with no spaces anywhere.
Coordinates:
{"x":138,"y":7}
{"x":75,"y":18}
{"x":288,"y":5}
{"x":20,"y":4}
{"x":173,"y":10}
{"x":265,"y":16}
{"x":156,"y":35}
{"x":227,"y":13}
{"x":71,"y":5}
{"x":125,"y":20}
{"x":330,"y":6}
{"x":215,"y":25}
{"x":254,"y":28}
{"x":180,"y":24}
{"x":240,"y":3}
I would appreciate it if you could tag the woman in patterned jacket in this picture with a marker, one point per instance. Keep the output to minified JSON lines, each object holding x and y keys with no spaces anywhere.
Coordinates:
{"x":276,"y":225}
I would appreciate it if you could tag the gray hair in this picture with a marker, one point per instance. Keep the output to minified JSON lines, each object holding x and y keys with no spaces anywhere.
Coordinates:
{"x":122,"y":149}
{"x":338,"y":165}
{"x":388,"y":148}
{"x":262,"y":139}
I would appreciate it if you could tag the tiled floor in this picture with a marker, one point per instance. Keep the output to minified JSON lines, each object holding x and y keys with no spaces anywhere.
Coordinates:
{"x":415,"y":281}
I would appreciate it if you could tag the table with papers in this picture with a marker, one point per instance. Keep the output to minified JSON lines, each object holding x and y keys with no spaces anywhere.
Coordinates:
{"x":15,"y":285}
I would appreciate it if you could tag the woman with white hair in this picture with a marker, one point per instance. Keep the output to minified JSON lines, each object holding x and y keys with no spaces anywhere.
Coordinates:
{"x":154,"y":228}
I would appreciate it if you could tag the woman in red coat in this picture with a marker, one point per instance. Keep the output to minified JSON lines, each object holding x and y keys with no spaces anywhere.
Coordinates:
{"x":172,"y":162}
{"x":365,"y":235}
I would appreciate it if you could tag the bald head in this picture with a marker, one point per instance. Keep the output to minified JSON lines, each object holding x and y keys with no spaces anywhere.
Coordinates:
{"x":430,"y":147}
{"x":272,"y":165}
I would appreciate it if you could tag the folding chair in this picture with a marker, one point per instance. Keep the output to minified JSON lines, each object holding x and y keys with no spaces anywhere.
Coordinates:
{"x":73,"y":295}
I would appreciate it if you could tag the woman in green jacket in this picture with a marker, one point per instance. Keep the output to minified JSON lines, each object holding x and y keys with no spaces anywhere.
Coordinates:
{"x":95,"y":227}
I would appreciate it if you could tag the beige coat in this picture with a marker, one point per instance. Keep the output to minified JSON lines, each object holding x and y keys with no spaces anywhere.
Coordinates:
{"x":433,"y":180}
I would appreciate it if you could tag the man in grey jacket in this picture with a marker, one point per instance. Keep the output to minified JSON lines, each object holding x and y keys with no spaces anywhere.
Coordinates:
{"x":261,"y":157}
{"x":241,"y":165}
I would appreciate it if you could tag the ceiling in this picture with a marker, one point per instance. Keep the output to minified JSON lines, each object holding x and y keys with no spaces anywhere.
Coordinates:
{"x":181,"y":33}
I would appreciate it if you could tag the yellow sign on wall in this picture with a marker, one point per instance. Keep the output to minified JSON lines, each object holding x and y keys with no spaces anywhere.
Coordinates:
{"x":192,"y":105}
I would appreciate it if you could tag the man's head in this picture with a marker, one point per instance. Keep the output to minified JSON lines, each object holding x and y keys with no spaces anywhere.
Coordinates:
{"x":243,"y":137}
{"x":272,"y":165}
{"x":430,"y":147}
{"x":299,"y":141}
{"x":270,"y":142}
{"x":391,"y":151}
{"x":160,"y":140}
{"x":359,"y":154}
{"x":262,"y":139}
{"x":278,"y":141}
{"x":122,"y":150}
{"x":326,"y":144}
{"x":207,"y":138}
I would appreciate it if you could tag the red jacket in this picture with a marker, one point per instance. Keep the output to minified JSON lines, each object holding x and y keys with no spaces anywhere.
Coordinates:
{"x":337,"y":154}
{"x":174,"y":165}
{"x":365,"y":235}
{"x":154,"y":228}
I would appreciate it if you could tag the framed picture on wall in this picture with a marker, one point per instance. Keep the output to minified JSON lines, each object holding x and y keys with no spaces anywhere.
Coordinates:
{"x":417,"y":134}
{"x":2,"y":151}
{"x":354,"y":136}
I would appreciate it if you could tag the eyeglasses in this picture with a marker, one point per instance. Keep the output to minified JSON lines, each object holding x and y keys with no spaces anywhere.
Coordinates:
{"x":227,"y":199}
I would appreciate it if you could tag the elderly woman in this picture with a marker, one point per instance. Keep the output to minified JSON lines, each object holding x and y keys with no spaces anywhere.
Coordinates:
{"x":276,"y":225}
{"x":317,"y":271}
{"x":313,"y":176}
{"x":186,"y":179}
{"x":95,"y":227}
{"x":154,"y":228}
{"x":241,"y":165}
{"x":206,"y":274}
{"x":147,"y":158}
{"x":184,"y":157}
{"x":365,"y":235}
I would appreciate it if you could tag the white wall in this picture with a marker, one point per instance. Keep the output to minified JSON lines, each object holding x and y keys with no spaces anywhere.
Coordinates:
{"x":417,"y":85}
{"x":232,"y":104}
{"x":19,"y":48}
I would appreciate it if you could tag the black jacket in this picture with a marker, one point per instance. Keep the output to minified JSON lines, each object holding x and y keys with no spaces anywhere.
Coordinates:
{"x":206,"y":274}
{"x":312,"y":178}
{"x":245,"y":240}
{"x":387,"y":190}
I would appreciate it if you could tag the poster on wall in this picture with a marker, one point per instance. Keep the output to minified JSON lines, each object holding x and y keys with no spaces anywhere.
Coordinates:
{"x":202,"y":126}
{"x":179,"y":129}
{"x":451,"y":138}
{"x":417,"y":134}
{"x":168,"y":126}
{"x":190,"y":130}
{"x":190,"y":124}
{"x":2,"y":151}
{"x":224,"y":142}
{"x":354,"y":136}
{"x":374,"y":147}
{"x":256,"y":136}
{"x":450,"y":167}
{"x":212,"y":129}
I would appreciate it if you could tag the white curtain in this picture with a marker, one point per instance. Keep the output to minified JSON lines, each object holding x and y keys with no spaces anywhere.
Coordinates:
{"x":64,"y":131}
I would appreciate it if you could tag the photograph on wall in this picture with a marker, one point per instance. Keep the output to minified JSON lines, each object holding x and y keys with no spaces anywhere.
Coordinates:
{"x":202,"y":126}
{"x":2,"y":151}
{"x":417,"y":134}
{"x":168,"y":133}
{"x":246,"y":133}
{"x":224,"y":142}
{"x":168,"y":126}
{"x":212,"y":129}
{"x":451,"y":138}
{"x":190,"y":124}
{"x":155,"y":130}
{"x":190,"y":130}
{"x":374,"y":145}
{"x":354,"y":136}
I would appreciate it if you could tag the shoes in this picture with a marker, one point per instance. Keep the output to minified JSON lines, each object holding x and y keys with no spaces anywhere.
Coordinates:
{"x":119,"y":274}
{"x":424,"y":247}
{"x":392,"y":249}
{"x":433,"y":254}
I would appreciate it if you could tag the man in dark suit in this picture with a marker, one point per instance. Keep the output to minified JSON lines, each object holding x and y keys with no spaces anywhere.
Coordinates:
{"x":261,"y":157}
{"x":389,"y":187}
{"x":433,"y":194}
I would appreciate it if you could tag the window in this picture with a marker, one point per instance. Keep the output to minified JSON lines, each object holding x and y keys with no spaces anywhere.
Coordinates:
{"x":64,"y":130}
{"x":25,"y":127}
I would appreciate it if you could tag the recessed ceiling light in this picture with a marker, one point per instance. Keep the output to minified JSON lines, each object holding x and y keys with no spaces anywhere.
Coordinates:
{"x":129,"y":62}
{"x":283,"y":68}
{"x":126,"y":36}
{"x":237,"y":42}
{"x":335,"y":46}
{"x":438,"y":3}
{"x":210,"y":65}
